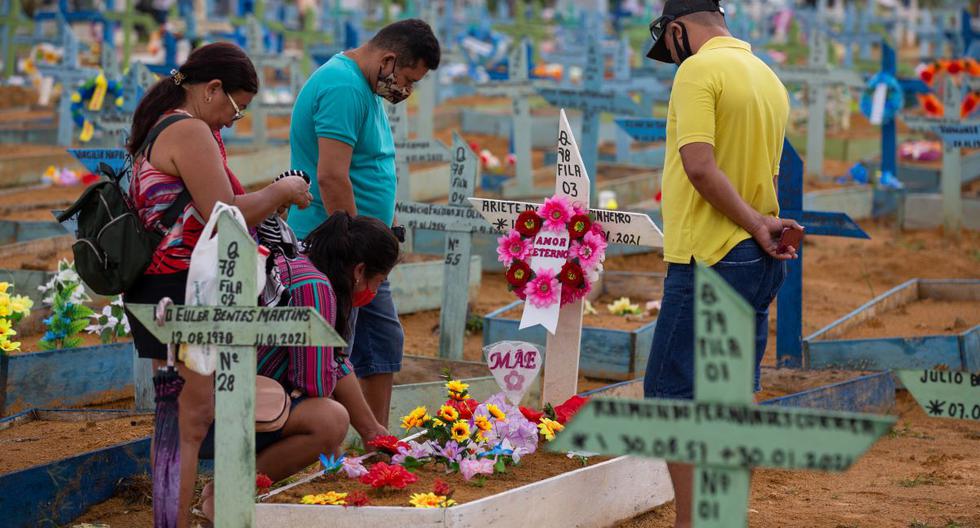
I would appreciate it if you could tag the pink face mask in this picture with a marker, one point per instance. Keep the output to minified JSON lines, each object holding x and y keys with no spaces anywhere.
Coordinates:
{"x":363,"y":297}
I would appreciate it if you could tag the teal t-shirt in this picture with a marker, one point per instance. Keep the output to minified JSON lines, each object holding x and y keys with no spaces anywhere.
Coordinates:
{"x":337,"y":103}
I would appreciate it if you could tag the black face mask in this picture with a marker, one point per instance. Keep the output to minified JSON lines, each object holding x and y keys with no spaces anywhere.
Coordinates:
{"x":685,"y":51}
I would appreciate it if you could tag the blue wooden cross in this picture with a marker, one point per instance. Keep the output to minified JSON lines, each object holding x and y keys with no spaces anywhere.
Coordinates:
{"x":856,"y":31}
{"x":789,"y":316}
{"x":644,"y":130}
{"x":592,"y":100}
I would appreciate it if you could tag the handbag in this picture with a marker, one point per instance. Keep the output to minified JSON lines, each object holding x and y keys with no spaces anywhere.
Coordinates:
{"x":272,"y":405}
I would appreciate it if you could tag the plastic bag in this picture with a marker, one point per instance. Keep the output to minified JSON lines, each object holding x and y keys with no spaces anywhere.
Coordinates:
{"x":202,"y":284}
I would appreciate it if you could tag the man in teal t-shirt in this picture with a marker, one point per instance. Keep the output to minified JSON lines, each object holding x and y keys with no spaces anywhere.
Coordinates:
{"x":340,"y":133}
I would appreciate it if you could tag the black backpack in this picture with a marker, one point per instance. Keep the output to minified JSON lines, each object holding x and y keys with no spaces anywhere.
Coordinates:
{"x":113,"y":248}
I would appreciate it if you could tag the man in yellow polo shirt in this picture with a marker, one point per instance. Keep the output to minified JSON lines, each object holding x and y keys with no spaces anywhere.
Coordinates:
{"x":725,"y":126}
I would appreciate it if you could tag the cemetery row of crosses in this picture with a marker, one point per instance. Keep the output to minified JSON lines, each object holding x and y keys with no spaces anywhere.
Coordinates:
{"x":529,"y":173}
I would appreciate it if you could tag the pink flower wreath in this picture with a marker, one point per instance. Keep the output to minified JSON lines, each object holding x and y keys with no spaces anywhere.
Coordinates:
{"x":586,"y":252}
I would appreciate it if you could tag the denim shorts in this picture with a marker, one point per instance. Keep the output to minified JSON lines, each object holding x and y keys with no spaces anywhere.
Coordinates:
{"x":755,"y":276}
{"x":377,"y":340}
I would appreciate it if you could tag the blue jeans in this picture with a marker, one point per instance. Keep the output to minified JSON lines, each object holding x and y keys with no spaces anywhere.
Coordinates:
{"x":378,"y":338}
{"x":755,"y":276}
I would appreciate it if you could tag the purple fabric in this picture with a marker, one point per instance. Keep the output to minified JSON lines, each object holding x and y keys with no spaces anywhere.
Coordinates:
{"x":166,"y":450}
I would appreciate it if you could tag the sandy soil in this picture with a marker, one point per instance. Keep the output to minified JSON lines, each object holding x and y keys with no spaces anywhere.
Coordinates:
{"x":921,"y":318}
{"x":36,"y":203}
{"x":38,"y":442}
{"x":603,"y":318}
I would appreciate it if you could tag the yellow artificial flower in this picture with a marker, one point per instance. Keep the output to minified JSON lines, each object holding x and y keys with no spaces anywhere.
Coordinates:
{"x":496,"y":412}
{"x":437,"y":422}
{"x":4,"y":286}
{"x":460,"y":431}
{"x":21,"y":304}
{"x":416,"y":418}
{"x":5,"y":308}
{"x":5,"y":328}
{"x":456,"y":389}
{"x":622,"y":306}
{"x":9,"y":346}
{"x":482,"y":423}
{"x":549,"y":427}
{"x":330,"y":498}
{"x":480,"y":439}
{"x":448,"y":413}
{"x":430,"y":500}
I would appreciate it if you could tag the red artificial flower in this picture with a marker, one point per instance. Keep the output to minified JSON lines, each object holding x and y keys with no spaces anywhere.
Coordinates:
{"x":578,"y":226}
{"x":969,"y":104}
{"x":931,"y":104}
{"x":528,"y":223}
{"x":954,"y":67}
{"x":567,"y":410}
{"x":659,"y":197}
{"x":387,"y":444}
{"x":971,"y":66}
{"x":262,"y":481}
{"x":465,"y":407}
{"x":356,"y":498}
{"x":571,"y":276}
{"x":382,"y":475}
{"x":532,"y":415}
{"x":440,"y":487}
{"x":519,"y":274}
{"x":928,"y":74}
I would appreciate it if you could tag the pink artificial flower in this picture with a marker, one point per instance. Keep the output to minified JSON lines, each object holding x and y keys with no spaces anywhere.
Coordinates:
{"x":577,"y":209}
{"x":353,"y":467}
{"x":542,"y":291}
{"x":589,"y":251}
{"x":511,"y":246}
{"x":556,"y":212}
{"x":469,"y":467}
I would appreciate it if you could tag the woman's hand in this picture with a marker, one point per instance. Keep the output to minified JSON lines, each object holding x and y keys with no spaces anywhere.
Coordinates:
{"x":295,"y":191}
{"x":372,"y":433}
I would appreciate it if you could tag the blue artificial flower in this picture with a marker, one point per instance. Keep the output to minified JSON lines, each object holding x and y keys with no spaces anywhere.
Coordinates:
{"x":48,"y":336}
{"x":47,"y":322}
{"x":331,"y":464}
{"x":498,"y":450}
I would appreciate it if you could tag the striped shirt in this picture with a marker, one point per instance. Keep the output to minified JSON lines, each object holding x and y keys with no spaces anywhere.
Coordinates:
{"x":313,"y":370}
{"x":152,"y":192}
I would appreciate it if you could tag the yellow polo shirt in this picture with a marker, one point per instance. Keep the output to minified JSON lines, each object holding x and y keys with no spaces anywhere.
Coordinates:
{"x":726,"y":97}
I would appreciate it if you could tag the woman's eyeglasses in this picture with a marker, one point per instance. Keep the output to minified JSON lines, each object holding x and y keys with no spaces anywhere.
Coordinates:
{"x":238,"y":113}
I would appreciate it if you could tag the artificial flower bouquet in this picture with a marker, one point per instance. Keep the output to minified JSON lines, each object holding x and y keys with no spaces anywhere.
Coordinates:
{"x":465,"y":436}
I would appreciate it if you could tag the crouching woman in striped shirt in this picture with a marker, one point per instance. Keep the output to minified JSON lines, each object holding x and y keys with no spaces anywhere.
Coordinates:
{"x":344,"y":261}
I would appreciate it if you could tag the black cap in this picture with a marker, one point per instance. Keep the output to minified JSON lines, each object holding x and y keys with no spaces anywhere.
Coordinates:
{"x":674,"y":9}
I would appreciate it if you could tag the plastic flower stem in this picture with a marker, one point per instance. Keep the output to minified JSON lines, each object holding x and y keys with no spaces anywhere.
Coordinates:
{"x":316,"y":474}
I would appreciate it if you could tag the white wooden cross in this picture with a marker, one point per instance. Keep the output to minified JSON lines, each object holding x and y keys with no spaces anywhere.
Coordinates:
{"x":459,"y":221}
{"x":565,"y":331}
{"x":408,"y":151}
{"x":237,"y":326}
{"x":519,"y":88}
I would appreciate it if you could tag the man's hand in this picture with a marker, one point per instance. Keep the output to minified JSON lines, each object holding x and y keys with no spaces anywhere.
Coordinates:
{"x":767,"y":231}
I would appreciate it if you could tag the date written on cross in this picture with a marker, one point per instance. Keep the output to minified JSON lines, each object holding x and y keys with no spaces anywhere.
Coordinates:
{"x":240,"y":326}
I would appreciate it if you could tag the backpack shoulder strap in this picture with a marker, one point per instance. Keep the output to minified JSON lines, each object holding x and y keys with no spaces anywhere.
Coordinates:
{"x":155,"y":132}
{"x":170,"y":215}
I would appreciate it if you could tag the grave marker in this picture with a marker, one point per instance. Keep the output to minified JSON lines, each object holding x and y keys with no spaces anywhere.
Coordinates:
{"x":419,"y":150}
{"x":722,"y":432}
{"x":127,"y":19}
{"x":13,"y":18}
{"x":592,"y":100}
{"x":237,"y":327}
{"x":944,"y":393}
{"x":818,"y":76}
{"x":644,"y":130}
{"x":955,"y":134}
{"x":565,"y":326}
{"x":515,"y":366}
{"x":69,"y":74}
{"x":452,"y":219}
{"x":789,"y":316}
{"x":519,"y":88}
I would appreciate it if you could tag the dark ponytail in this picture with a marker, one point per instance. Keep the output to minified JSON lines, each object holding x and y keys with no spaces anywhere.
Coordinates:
{"x":336,"y":246}
{"x":221,"y":60}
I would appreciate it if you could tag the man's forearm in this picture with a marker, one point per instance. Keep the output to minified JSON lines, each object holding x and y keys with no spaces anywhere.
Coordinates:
{"x":337,"y":193}
{"x":717,"y":190}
